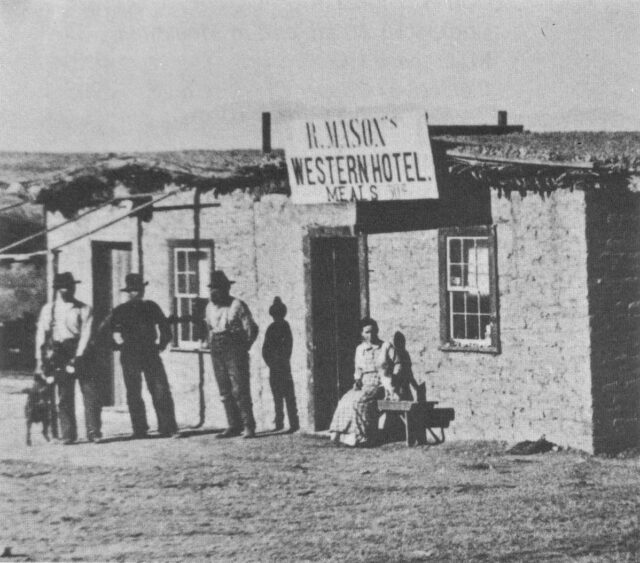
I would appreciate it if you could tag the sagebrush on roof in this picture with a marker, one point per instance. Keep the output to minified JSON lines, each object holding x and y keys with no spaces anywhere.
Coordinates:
{"x":68,"y":182}
{"x":620,"y":150}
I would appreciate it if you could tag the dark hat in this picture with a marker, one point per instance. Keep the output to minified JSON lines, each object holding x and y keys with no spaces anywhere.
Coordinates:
{"x":219,"y":279}
{"x":64,"y":279}
{"x":134,"y":282}
{"x":278,"y":308}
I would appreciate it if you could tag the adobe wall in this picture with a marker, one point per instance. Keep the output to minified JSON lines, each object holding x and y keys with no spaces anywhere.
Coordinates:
{"x":259,"y":245}
{"x":540,"y":383}
{"x":613,"y":236}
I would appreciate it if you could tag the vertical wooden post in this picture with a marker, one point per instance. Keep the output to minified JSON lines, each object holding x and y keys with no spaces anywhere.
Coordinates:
{"x":196,"y":308}
{"x":55,"y":268}
{"x":266,"y":132}
{"x":55,"y":265}
{"x":140,"y":248}
{"x":502,"y":118}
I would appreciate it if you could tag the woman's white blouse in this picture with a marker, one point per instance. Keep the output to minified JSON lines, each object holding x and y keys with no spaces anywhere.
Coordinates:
{"x":373,"y":361}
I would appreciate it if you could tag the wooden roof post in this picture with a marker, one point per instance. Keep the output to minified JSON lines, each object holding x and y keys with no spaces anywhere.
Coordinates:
{"x":502,"y":118}
{"x":266,"y":132}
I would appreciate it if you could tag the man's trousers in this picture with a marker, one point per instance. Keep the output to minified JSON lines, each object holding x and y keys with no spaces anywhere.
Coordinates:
{"x":135,"y":362}
{"x":231,"y":368}
{"x":66,"y":386}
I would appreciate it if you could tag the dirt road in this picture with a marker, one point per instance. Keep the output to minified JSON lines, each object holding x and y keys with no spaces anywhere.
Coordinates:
{"x":298,"y":498}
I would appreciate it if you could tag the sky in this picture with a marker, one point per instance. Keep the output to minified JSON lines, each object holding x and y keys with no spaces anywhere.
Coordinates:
{"x":125,"y":75}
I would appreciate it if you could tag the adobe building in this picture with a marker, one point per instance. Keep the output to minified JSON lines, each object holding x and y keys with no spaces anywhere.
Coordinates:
{"x":517,"y":289}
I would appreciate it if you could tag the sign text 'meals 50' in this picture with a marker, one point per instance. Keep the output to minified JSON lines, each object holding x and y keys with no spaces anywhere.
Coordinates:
{"x":360,"y":158}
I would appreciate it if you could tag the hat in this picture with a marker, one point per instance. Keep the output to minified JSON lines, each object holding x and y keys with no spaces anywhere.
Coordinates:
{"x":278,"y":308}
{"x":134,"y":282}
{"x":219,"y":279}
{"x":64,"y":279}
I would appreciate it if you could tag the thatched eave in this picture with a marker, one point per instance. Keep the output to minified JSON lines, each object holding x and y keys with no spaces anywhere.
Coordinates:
{"x":94,"y":185}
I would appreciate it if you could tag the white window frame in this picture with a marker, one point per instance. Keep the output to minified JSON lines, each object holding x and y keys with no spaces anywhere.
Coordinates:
{"x":479,"y":282}
{"x":190,"y":341}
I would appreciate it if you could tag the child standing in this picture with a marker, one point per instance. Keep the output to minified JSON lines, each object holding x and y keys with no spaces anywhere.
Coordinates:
{"x":276,"y":351}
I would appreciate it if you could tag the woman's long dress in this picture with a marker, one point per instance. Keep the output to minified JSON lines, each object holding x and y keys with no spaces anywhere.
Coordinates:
{"x":355,"y":422}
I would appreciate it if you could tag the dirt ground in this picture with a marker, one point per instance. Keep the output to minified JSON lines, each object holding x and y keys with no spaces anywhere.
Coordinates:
{"x":299,"y":498}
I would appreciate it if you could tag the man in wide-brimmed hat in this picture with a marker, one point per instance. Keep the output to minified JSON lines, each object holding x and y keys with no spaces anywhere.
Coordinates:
{"x":232,"y":331}
{"x":141,"y":331}
{"x":62,"y":336}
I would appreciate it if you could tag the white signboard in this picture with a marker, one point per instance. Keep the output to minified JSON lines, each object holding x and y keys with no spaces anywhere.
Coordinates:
{"x":372,"y":156}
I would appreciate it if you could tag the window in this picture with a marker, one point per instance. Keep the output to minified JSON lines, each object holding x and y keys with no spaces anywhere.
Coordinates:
{"x":190,"y":271}
{"x":468,"y":289}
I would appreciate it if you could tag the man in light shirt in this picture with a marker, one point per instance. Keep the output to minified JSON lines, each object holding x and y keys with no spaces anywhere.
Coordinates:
{"x":232,"y":331}
{"x":62,"y":336}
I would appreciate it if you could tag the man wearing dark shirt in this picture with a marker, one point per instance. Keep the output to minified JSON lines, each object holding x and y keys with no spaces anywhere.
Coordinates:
{"x":141,"y":331}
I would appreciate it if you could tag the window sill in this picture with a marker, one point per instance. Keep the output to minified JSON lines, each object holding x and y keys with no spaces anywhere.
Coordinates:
{"x":190,"y":350}
{"x":449,"y":347}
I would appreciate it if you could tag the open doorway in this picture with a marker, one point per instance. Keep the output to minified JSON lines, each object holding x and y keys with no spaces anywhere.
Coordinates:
{"x":110,"y":263}
{"x":337,"y":289}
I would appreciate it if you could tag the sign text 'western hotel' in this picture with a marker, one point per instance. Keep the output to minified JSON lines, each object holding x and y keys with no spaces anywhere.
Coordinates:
{"x":373,"y":157}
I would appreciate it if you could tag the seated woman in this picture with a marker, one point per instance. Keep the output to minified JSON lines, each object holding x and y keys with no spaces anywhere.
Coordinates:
{"x":355,"y":422}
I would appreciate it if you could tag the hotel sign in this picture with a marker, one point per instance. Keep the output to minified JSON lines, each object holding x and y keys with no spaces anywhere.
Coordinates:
{"x":361,"y":157}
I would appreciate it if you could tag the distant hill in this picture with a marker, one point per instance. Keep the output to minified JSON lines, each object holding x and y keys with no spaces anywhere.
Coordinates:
{"x":24,"y":166}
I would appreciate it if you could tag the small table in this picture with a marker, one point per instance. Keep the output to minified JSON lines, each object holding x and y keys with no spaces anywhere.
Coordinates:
{"x":414,"y":415}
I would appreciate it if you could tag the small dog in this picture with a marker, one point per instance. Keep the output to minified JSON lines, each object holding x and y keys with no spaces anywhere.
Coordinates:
{"x":40,"y":406}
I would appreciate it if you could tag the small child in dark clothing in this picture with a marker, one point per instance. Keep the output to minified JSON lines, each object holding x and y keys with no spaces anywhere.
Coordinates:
{"x":404,"y":380}
{"x":276,"y":351}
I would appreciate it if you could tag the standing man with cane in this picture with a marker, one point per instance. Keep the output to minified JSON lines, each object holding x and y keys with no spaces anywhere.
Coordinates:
{"x":232,"y":331}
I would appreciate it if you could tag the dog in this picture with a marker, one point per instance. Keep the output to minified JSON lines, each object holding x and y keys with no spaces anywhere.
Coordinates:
{"x":40,"y":406}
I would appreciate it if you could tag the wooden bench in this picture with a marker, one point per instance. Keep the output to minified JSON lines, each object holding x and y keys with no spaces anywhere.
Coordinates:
{"x":420,"y":418}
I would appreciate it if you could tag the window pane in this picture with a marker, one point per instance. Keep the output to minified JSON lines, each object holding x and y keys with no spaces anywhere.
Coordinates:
{"x":458,"y":327}
{"x":182,"y":284}
{"x":205,"y":273}
{"x":180,"y":260}
{"x":485,"y":327}
{"x":473,"y":330}
{"x":468,"y":250}
{"x":466,"y":282}
{"x":483,"y":284}
{"x":454,"y":250}
{"x":485,"y":304}
{"x":193,"y":261}
{"x":481,"y":266}
{"x":482,"y":253}
{"x":472,"y":303}
{"x":457,"y":301}
{"x":455,"y":276}
{"x":193,"y":288}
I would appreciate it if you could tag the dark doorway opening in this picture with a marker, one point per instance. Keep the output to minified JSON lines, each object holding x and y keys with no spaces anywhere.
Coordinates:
{"x":110,"y":263}
{"x":338,"y":297}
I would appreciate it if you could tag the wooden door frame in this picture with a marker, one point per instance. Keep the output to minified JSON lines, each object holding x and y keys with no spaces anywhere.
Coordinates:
{"x":316,"y":232}
{"x":98,"y":246}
